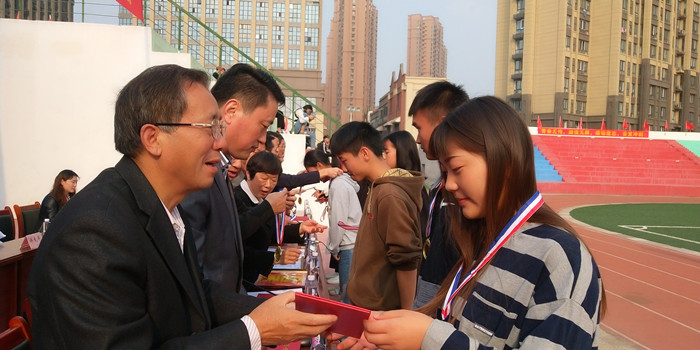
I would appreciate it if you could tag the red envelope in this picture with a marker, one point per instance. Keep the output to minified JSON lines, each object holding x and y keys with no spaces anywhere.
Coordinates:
{"x":350,"y":317}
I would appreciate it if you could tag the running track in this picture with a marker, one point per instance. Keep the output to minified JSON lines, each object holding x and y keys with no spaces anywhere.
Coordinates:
{"x":653,"y":292}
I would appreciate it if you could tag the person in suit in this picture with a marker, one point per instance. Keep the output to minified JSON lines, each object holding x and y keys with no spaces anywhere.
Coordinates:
{"x":212,"y":212}
{"x":118,"y":268}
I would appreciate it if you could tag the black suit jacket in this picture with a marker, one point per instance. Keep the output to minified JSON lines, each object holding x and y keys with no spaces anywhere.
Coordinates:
{"x":214,"y":221}
{"x":110,"y":274}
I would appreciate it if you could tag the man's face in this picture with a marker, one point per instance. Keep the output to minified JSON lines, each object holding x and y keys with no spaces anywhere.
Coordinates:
{"x":354,"y":165}
{"x":327,"y":141}
{"x":425,"y":128}
{"x":246,"y":131}
{"x":190,"y":155}
{"x":262,"y":184}
{"x":275,"y":145}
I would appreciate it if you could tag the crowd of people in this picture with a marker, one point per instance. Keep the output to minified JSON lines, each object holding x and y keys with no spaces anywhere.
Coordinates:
{"x":160,"y":250}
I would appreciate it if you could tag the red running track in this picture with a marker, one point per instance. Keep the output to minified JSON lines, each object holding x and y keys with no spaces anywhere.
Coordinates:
{"x":653,"y":292}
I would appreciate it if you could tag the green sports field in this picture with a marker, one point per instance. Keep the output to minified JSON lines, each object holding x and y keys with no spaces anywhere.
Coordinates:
{"x":677,"y":225}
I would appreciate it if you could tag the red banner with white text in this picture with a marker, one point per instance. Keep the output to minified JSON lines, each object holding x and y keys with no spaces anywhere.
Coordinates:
{"x":593,"y":132}
{"x":134,"y":6}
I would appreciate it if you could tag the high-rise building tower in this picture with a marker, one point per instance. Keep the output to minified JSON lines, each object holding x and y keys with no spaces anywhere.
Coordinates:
{"x":589,"y":61}
{"x":351,"y":60}
{"x":38,"y":10}
{"x":427,"y":54}
{"x":281,"y":35}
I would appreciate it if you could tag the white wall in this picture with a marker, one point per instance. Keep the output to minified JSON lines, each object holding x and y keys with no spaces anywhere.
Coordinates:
{"x":58,"y":84}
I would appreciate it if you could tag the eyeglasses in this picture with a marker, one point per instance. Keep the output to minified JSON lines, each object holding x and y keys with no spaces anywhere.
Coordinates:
{"x":217,"y":127}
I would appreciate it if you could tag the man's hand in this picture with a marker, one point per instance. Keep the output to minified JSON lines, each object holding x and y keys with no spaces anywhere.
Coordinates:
{"x":351,"y":343}
{"x":290,"y":256}
{"x":278,"y":201}
{"x":279,"y":323}
{"x":329,"y":173}
{"x":311,"y":226}
{"x":291,"y":198}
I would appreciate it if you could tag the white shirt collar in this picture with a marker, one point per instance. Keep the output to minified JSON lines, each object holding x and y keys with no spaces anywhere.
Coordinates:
{"x":178,"y":225}
{"x":246,"y":189}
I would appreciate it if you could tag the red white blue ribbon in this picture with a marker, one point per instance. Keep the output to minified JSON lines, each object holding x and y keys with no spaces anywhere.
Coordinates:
{"x":279,"y":227}
{"x":523,"y":214}
{"x":432,"y":208}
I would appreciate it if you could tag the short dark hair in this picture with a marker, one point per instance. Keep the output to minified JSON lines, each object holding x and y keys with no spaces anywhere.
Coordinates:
{"x":438,"y":99}
{"x":272,"y":135}
{"x":406,"y":150}
{"x":354,"y":135}
{"x":264,"y":162}
{"x":157,"y":95}
{"x":248,"y":84}
{"x":315,"y":156}
{"x":308,"y":107}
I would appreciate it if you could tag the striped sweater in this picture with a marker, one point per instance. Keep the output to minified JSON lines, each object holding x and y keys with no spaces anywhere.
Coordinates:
{"x":542,"y":290}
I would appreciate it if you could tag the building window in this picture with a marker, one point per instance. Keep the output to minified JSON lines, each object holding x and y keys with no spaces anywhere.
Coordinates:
{"x":193,"y":50}
{"x":278,"y":35}
{"x":229,"y":9}
{"x":293,"y":58}
{"x":261,"y":34}
{"x":518,"y":86}
{"x":654,"y":31}
{"x":261,"y":11}
{"x":623,"y":45}
{"x":310,"y":59}
{"x":692,"y":99}
{"x":311,"y":36}
{"x":261,"y":55}
{"x":695,"y":27}
{"x":582,"y":46}
{"x":193,"y":31}
{"x":665,"y":55}
{"x":581,"y":87}
{"x":634,"y":69}
{"x":520,"y":5}
{"x":568,"y":42}
{"x":566,"y":84}
{"x":652,"y":51}
{"x":662,"y":112}
{"x":227,"y":31}
{"x":662,"y":93}
{"x":620,"y":107}
{"x":294,"y":35}
{"x":584,"y":25}
{"x":582,"y":66}
{"x":312,"y":14}
{"x":621,"y":87}
{"x":567,"y":63}
{"x":245,"y":50}
{"x":694,"y":46}
{"x":518,"y":105}
{"x":211,"y":54}
{"x":244,"y":33}
{"x":692,"y":62}
{"x":518,"y":66}
{"x":227,"y":56}
{"x":565,"y":105}
{"x":580,"y":107}
{"x":295,"y":13}
{"x":277,"y":59}
{"x":246,"y":10}
{"x":667,"y":36}
{"x":278,"y":11}
{"x":652,"y":71}
{"x":568,"y":21}
{"x":622,"y":66}
{"x":651,"y":110}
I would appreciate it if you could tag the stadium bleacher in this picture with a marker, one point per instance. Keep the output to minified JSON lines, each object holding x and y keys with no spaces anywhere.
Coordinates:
{"x":608,"y":165}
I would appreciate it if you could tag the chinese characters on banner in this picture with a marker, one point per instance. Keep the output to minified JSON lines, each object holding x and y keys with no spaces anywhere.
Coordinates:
{"x":592,"y":132}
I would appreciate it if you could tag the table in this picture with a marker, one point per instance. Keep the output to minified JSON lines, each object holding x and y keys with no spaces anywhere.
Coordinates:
{"x":15,"y":265}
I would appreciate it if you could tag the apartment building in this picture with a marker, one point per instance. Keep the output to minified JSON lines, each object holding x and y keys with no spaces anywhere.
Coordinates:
{"x":38,"y":10}
{"x":582,"y":61}
{"x":426,"y":52}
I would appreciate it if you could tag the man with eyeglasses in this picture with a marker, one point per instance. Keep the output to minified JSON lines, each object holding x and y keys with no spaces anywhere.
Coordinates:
{"x":118,"y":268}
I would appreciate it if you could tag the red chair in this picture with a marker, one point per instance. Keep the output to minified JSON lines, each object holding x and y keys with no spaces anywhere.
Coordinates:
{"x":7,"y":224}
{"x":16,"y":336}
{"x":27,"y":217}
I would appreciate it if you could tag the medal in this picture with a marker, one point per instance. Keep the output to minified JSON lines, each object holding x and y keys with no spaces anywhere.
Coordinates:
{"x":426,"y":248}
{"x":523,"y":214}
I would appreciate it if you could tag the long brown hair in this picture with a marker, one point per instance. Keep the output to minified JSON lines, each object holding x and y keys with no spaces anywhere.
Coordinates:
{"x":490,"y":127}
{"x":57,"y":191}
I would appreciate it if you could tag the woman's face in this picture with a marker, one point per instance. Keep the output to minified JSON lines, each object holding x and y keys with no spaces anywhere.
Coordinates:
{"x":466,"y":179}
{"x":390,"y":154}
{"x":70,"y":185}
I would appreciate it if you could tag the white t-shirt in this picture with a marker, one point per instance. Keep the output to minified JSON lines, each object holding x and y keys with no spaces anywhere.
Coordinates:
{"x":302,"y":117}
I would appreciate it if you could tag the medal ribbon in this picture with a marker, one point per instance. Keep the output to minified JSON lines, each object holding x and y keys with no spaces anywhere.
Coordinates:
{"x":279,"y":227}
{"x":523,"y":214}
{"x":430,"y":211}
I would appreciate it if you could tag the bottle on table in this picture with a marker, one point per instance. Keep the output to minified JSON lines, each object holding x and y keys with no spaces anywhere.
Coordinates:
{"x":311,"y":286}
{"x":44,"y":226}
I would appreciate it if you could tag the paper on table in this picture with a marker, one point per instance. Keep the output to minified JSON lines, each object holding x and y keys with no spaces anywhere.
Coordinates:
{"x":276,"y":291}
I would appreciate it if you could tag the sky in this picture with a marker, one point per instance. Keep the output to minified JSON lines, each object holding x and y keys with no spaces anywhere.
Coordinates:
{"x":469,"y":33}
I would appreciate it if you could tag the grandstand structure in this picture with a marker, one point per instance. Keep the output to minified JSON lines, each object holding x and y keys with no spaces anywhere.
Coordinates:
{"x":662,"y":164}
